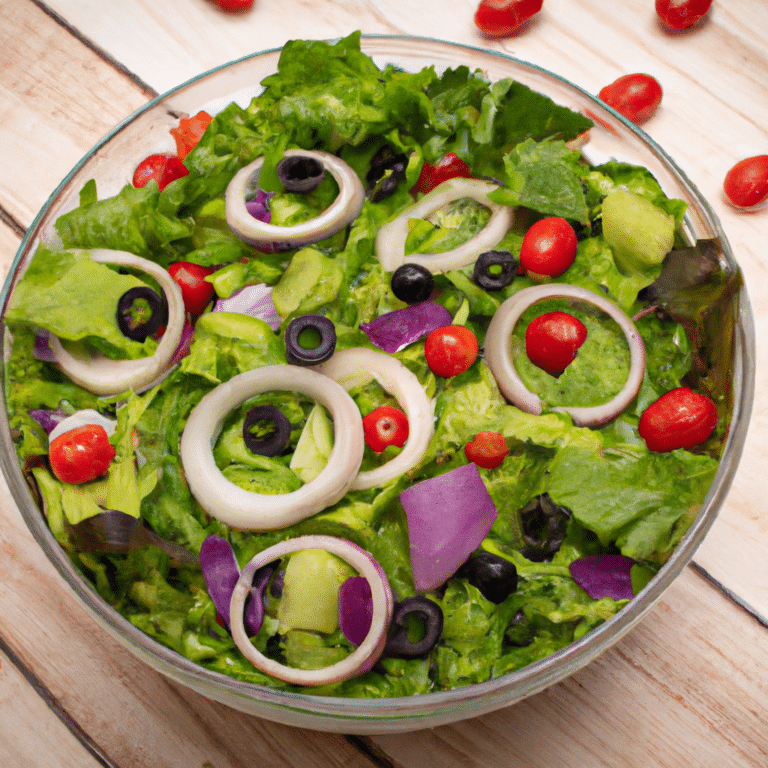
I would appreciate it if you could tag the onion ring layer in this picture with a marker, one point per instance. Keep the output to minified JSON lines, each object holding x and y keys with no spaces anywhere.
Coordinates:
{"x":343,"y":210}
{"x":103,"y":376}
{"x":498,"y":353}
{"x":363,"y":657}
{"x":246,"y":510}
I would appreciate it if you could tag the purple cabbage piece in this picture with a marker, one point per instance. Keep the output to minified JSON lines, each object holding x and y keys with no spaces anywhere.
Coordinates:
{"x":259,"y":206}
{"x":42,"y":350}
{"x":48,"y":420}
{"x":253,"y":300}
{"x":395,"y":330}
{"x":604,"y":576}
{"x":355,"y":609}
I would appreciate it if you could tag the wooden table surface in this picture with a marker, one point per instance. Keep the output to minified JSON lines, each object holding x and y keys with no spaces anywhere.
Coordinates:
{"x":687,"y":687}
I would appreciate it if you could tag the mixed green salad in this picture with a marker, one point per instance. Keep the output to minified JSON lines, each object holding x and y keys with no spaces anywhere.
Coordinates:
{"x":564,"y":491}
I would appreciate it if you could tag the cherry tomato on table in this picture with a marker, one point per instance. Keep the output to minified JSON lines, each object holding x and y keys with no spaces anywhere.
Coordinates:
{"x":234,"y":5}
{"x":163,"y":167}
{"x":552,"y":341}
{"x":195,"y":290}
{"x":548,"y":248}
{"x":504,"y":17}
{"x":680,"y":14}
{"x":450,"y":166}
{"x":746,"y":184}
{"x":487,"y":450}
{"x":82,"y":454}
{"x":635,"y":96}
{"x":189,"y":132}
{"x":450,"y":350}
{"x":681,"y":418}
{"x":385,"y":426}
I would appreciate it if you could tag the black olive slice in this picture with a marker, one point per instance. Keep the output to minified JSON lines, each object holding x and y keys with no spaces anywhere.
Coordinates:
{"x":296,"y":353}
{"x":300,"y":173}
{"x":495,"y":270}
{"x":386,"y":171}
{"x":275,"y":440}
{"x":493,"y":575}
{"x":141,"y":313}
{"x":412,"y":283}
{"x":398,"y":643}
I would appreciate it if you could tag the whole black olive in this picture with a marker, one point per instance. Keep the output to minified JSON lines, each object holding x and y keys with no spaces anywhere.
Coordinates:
{"x":296,"y":354}
{"x":141,"y":312}
{"x":412,"y":283}
{"x":398,"y":642}
{"x":275,"y":440}
{"x":544,"y":526}
{"x":300,"y":173}
{"x":493,"y":575}
{"x":495,"y":270}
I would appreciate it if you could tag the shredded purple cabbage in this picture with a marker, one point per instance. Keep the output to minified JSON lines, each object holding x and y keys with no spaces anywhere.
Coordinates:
{"x":395,"y":330}
{"x":48,"y":420}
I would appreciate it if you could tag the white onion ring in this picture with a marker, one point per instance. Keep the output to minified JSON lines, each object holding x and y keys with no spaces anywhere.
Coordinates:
{"x":363,"y":657}
{"x":498,"y":354}
{"x":246,"y":510}
{"x":103,"y":376}
{"x":342,"y":211}
{"x":356,"y":367}
{"x":390,"y":239}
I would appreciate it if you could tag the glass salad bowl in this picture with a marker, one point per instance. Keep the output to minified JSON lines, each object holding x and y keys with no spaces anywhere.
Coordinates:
{"x":111,"y":163}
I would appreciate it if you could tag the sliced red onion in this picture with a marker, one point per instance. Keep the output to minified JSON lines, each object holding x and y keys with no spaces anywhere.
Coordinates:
{"x":253,"y":300}
{"x":244,"y":509}
{"x":355,"y":609}
{"x":390,"y":239}
{"x":82,"y":419}
{"x":498,"y":353}
{"x":604,"y":576}
{"x":448,"y":517}
{"x":395,"y":330}
{"x":185,"y":342}
{"x":42,"y":349}
{"x":364,"y":656}
{"x":356,"y":367}
{"x":259,"y":206}
{"x":48,"y":419}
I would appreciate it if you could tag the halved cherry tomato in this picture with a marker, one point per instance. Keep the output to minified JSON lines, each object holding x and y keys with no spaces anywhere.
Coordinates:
{"x":449,"y":166}
{"x":680,"y":418}
{"x":163,"y":167}
{"x":746,"y":184}
{"x":680,"y":14}
{"x":503,"y":17}
{"x":635,"y":96}
{"x":385,"y":426}
{"x":195,"y":290}
{"x":487,"y":450}
{"x":189,"y":132}
{"x":450,"y":350}
{"x":82,"y":454}
{"x":548,"y":248}
{"x":552,"y":341}
{"x":233,"y":5}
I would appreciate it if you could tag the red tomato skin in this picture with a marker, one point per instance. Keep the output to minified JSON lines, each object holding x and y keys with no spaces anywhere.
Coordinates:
{"x":681,"y":418}
{"x":189,"y":132}
{"x":82,"y":454}
{"x":487,"y":450}
{"x":163,"y":167}
{"x":195,"y":290}
{"x":500,"y":18}
{"x":232,"y":6}
{"x":746,"y":184}
{"x":548,"y":248}
{"x":680,"y":14}
{"x":636,"y":96}
{"x":449,"y":166}
{"x":450,"y":350}
{"x":552,"y":341}
{"x":385,"y":426}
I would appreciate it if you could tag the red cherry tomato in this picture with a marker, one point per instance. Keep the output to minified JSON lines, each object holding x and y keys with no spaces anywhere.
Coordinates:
{"x":503,"y":17}
{"x":548,"y":248}
{"x":746,"y":184}
{"x":233,"y":5}
{"x":189,"y":132}
{"x":635,"y":96}
{"x":552,"y":341}
{"x":487,"y":450}
{"x":195,"y":290}
{"x":450,"y":350}
{"x":385,"y":426}
{"x":163,"y":167}
{"x":680,"y":14}
{"x":82,"y":454}
{"x":450,"y":166}
{"x":680,"y":418}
